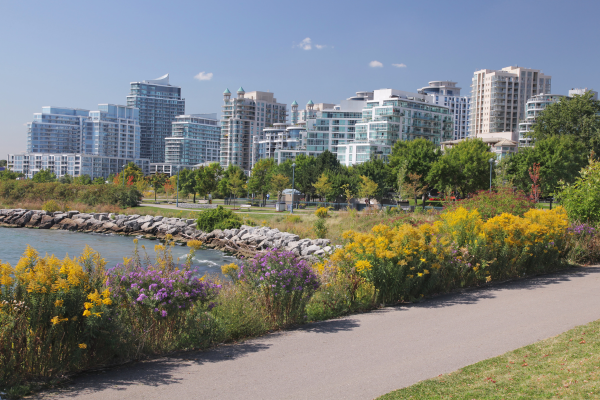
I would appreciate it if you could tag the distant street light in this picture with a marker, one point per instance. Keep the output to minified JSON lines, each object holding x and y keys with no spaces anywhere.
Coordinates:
{"x":177,"y":189}
{"x":293,"y":189}
{"x":492,"y":162}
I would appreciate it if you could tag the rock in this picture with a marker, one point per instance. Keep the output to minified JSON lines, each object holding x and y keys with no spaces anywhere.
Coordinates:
{"x":147,"y":227}
{"x":70,"y":214}
{"x":46,"y":222}
{"x":145,"y":219}
{"x":174,"y":230}
{"x":24,"y":218}
{"x":181,"y":224}
{"x":83,"y":216}
{"x":158,"y":218}
{"x":310,"y":250}
{"x":67,"y":224}
{"x":35,"y":219}
{"x":327,"y":249}
{"x":319,"y":253}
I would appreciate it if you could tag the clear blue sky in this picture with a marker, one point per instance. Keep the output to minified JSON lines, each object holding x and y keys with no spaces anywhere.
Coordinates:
{"x":81,"y":53}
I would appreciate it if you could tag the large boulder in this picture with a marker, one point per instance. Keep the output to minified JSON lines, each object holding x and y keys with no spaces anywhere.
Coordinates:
{"x":310,"y":250}
{"x":46,"y":222}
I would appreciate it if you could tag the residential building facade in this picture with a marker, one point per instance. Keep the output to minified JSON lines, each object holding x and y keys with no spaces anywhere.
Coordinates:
{"x":73,"y":164}
{"x":277,"y":142}
{"x":245,"y":117}
{"x":159,"y":103}
{"x":533,"y":108}
{"x":499,"y":97}
{"x":195,"y":139}
{"x":112,"y":131}
{"x":447,"y":94}
{"x":394,"y":115}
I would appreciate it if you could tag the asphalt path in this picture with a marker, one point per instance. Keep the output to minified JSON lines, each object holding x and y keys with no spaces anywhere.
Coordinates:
{"x":365,"y":355}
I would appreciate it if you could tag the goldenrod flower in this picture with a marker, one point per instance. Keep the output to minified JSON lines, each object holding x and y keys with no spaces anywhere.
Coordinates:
{"x":82,"y":346}
{"x":55,"y":320}
{"x":362,"y":265}
{"x":58,"y":303}
{"x":87,"y":313}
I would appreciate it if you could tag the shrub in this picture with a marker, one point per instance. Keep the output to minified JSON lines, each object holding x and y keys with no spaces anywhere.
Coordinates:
{"x":293,"y":219}
{"x":459,"y":250}
{"x":322,"y":212}
{"x":285,"y":282}
{"x":218,"y":218}
{"x":50,"y":206}
{"x":320,"y":228}
{"x":584,"y":243}
{"x":503,"y":200}
{"x":582,"y":198}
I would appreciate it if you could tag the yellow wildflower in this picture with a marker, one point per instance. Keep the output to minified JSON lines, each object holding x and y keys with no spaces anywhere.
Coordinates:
{"x":426,"y":272}
{"x":194,"y":244}
{"x":87,"y":313}
{"x":108,"y":302}
{"x":419,"y":274}
{"x":229,"y":268}
{"x":423,"y":260}
{"x":82,"y":346}
{"x":362,"y":265}
{"x":58,"y":303}
{"x":88,"y":305}
{"x":488,"y":279}
{"x":402,"y":262}
{"x":55,"y":320}
{"x":97,"y":314}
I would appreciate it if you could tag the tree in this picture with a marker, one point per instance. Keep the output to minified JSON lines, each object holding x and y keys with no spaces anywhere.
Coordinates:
{"x":559,"y":157}
{"x":323,"y":186}
{"x":169,"y":188}
{"x":306,"y":174}
{"x":82,"y":180}
{"x":208,"y":180}
{"x":327,"y":161}
{"x":278,"y":184}
{"x":577,"y":116}
{"x":414,"y":187}
{"x":417,"y":157}
{"x":236,"y":182}
{"x":66,"y":178}
{"x":367,"y":188}
{"x":3,"y":163}
{"x":132,"y":169}
{"x":98,"y":181}
{"x":464,"y":167}
{"x":534,"y":174}
{"x":379,"y":173}
{"x":187,"y":182}
{"x":44,"y":175}
{"x":223,"y":185}
{"x":260,"y":177}
{"x":582,"y":198}
{"x":8,"y":175}
{"x":157,"y":181}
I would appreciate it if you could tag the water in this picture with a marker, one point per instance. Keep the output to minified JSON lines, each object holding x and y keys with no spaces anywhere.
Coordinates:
{"x":113,"y":248}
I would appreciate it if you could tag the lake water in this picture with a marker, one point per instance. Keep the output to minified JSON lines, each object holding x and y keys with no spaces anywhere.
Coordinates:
{"x":113,"y":248}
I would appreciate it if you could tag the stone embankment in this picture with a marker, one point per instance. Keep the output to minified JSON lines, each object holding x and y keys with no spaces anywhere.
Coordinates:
{"x":246,"y":241}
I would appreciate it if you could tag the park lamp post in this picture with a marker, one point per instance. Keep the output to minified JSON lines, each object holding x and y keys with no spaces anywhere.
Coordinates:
{"x":492,"y":162}
{"x":177,"y":189}
{"x":293,"y":189}
{"x":123,"y":172}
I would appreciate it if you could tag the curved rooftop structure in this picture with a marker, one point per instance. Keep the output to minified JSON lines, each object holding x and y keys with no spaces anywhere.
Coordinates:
{"x":310,"y":103}
{"x":163,"y":80}
{"x":227,"y":91}
{"x":241,"y":90}
{"x":295,"y":103}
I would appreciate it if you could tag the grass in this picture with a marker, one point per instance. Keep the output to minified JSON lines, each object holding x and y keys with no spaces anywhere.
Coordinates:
{"x":566,"y":366}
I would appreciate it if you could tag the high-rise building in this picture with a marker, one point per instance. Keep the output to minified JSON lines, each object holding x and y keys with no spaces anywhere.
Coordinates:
{"x":195,"y":139}
{"x":56,"y":130}
{"x":112,"y":131}
{"x":243,"y":118}
{"x":446,"y":93}
{"x":582,"y":91}
{"x":498,"y":98}
{"x":533,"y":108}
{"x":159,"y":103}
{"x":278,"y":142}
{"x":394,"y":115}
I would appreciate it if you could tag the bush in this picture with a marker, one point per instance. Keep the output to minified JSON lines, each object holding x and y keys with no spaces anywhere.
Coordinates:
{"x":285,"y":283}
{"x":293,"y":219}
{"x":322,"y":212}
{"x":584,"y":244}
{"x":91,"y":195}
{"x":50,"y":206}
{"x":461,"y":249}
{"x":218,"y":218}
{"x":582,"y":198}
{"x":503,"y":200}
{"x":320,"y":228}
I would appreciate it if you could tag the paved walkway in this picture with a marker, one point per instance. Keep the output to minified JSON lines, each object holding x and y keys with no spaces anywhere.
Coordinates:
{"x":182,"y":208}
{"x":366,"y":355}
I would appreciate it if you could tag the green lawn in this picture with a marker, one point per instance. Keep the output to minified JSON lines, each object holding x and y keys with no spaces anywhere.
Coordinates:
{"x":566,"y":366}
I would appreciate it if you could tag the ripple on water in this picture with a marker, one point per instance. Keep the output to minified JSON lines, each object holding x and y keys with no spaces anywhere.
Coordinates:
{"x":13,"y":242}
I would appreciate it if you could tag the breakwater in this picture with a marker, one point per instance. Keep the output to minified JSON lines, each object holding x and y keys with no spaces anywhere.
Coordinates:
{"x":246,"y":241}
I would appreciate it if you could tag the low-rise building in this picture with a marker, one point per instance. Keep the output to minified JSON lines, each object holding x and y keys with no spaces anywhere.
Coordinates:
{"x":501,"y":144}
{"x":73,"y":164}
{"x":534,"y":107}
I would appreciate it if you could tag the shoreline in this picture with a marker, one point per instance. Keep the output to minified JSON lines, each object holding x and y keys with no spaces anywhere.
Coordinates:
{"x":247,"y":241}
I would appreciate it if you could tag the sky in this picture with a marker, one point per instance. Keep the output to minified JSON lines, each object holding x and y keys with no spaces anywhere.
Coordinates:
{"x":82,"y":53}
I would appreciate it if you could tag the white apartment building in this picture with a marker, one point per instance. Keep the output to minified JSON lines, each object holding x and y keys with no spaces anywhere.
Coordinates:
{"x":73,"y":164}
{"x":279,"y":142}
{"x":243,"y":118}
{"x":446,"y":93}
{"x":582,"y":91}
{"x":498,"y":98}
{"x":533,"y":108}
{"x":394,"y":115}
{"x":194,"y":139}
